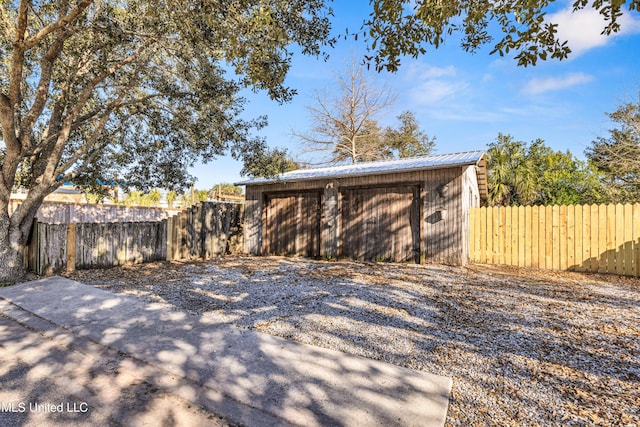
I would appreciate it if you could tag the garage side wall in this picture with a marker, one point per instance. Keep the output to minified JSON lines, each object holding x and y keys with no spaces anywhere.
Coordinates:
{"x":470,"y":199}
{"x":443,"y":222}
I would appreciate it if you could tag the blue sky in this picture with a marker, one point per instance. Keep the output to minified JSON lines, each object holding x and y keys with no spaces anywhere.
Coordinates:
{"x":464,"y":100}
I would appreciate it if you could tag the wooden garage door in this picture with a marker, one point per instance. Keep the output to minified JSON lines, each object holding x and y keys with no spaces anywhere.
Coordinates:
{"x":381,"y":224}
{"x":291,"y":224}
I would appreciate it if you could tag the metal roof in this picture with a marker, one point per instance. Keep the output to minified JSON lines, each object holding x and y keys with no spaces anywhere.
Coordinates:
{"x":435,"y":161}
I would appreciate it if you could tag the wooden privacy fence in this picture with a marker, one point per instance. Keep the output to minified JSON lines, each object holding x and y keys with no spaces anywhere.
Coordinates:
{"x":203,"y":231}
{"x":70,"y":213}
{"x":593,"y":238}
{"x":56,"y":247}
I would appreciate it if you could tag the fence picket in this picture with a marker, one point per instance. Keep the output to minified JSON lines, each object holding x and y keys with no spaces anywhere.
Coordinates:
{"x":527,"y":236}
{"x":596,"y":238}
{"x":571,"y":237}
{"x":602,"y":239}
{"x":563,"y":242}
{"x":502,"y":233}
{"x":611,"y":238}
{"x":619,"y":240}
{"x":583,"y":263}
{"x":627,"y":250}
{"x":483,"y":235}
{"x":109,"y":244}
{"x":535,"y":219}
{"x":636,"y":240}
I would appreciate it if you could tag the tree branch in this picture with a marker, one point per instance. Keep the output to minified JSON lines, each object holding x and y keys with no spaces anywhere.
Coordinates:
{"x":42,"y":91}
{"x":61,"y":23}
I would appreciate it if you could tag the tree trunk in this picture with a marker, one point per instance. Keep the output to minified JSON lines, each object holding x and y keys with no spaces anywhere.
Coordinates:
{"x":11,"y":267}
{"x":11,"y":253}
{"x":13,"y":238}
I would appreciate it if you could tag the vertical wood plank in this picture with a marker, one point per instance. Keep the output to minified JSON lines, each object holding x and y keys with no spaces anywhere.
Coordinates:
{"x":71,"y":248}
{"x":577,"y":232}
{"x":508,"y":229}
{"x":528,"y":236}
{"x":636,"y":239}
{"x":492,"y":241}
{"x":521,"y":235}
{"x":602,"y":238}
{"x":535,"y":230}
{"x":611,"y":238}
{"x":628,"y":240}
{"x":555,"y":240}
{"x":169,"y":239}
{"x":594,"y":230}
{"x":515,"y":225}
{"x":563,"y":238}
{"x":585,"y":261}
{"x":618,"y":251}
{"x":548,"y":238}
{"x":542,"y":240}
{"x":503,"y":231}
{"x":571,"y":238}
{"x":483,"y":234}
{"x":587,"y":236}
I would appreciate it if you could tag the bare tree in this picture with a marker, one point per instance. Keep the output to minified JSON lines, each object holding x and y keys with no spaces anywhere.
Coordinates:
{"x":345,"y":125}
{"x":618,"y":156}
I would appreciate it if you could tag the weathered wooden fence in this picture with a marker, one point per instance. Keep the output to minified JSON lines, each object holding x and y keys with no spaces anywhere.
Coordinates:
{"x":69,"y":213}
{"x":203,"y":231}
{"x":594,"y":238}
{"x":55,"y":247}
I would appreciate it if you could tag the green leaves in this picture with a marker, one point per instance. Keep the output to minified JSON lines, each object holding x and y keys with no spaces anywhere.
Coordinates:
{"x":408,"y":140}
{"x":265,"y":162}
{"x":396,"y":28}
{"x":523,"y":174}
{"x":141,"y":88}
{"x":618,"y":156}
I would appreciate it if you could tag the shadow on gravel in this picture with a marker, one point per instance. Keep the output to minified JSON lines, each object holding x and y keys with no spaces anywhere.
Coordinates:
{"x":534,"y":350}
{"x":253,"y":379}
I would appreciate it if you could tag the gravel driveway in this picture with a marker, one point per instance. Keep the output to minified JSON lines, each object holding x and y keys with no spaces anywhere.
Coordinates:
{"x":523,"y":347}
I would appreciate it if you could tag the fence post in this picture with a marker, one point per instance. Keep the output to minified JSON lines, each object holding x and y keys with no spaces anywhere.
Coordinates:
{"x":71,"y":248}
{"x":169,"y":241}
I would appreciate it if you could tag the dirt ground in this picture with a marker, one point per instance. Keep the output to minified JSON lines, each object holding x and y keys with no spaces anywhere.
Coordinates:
{"x":523,"y":347}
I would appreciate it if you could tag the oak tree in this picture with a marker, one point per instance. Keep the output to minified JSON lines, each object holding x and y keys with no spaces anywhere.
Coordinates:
{"x":618,"y":155}
{"x":397,"y":28}
{"x":143,"y":87}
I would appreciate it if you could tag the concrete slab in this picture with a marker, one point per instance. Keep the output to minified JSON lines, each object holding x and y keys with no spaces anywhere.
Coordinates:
{"x":283,"y":382}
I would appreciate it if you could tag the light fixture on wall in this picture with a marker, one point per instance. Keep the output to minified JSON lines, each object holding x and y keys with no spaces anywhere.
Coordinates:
{"x":441,"y":213}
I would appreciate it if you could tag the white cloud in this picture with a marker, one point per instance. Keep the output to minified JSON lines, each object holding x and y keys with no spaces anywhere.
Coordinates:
{"x":582,"y":29}
{"x":429,"y":85}
{"x":418,"y":71}
{"x":435,"y":91}
{"x":537,"y":86}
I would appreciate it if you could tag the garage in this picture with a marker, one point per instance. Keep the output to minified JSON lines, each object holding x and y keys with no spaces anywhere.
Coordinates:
{"x":292,"y":224}
{"x":406,"y":210}
{"x":380,"y":224}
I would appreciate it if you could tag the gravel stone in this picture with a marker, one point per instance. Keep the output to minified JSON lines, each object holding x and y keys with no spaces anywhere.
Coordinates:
{"x":524,"y":347}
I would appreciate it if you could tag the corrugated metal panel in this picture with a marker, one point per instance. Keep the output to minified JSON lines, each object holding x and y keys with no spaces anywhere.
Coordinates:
{"x":435,"y":161}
